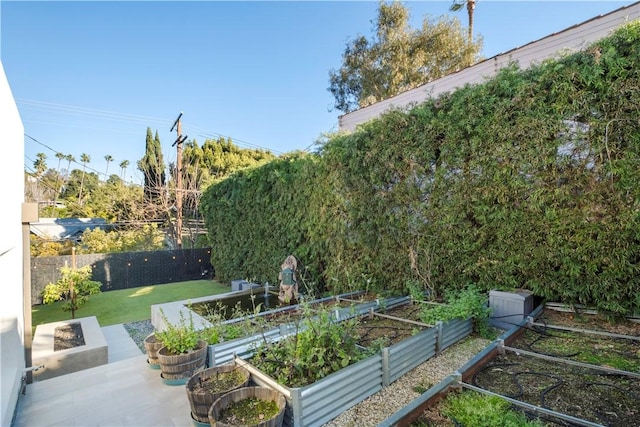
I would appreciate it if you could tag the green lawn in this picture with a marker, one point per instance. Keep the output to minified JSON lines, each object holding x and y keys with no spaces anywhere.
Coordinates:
{"x":128,"y":305}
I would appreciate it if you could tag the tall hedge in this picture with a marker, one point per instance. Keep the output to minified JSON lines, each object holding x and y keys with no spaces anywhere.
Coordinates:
{"x":529,"y":180}
{"x":259,"y":216}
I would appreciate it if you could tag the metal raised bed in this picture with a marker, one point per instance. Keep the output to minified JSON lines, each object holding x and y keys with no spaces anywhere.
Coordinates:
{"x":461,"y":378}
{"x":322,"y":401}
{"x":244,"y":347}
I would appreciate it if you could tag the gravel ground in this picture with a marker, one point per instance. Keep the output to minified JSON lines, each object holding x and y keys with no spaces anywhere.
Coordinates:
{"x":138,"y":331}
{"x":381,"y":405}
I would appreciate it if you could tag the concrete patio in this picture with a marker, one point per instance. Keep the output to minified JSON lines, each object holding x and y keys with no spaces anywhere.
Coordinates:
{"x":124,"y":392}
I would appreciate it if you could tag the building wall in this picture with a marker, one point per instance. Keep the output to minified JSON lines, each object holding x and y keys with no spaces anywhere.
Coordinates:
{"x":572,"y":39}
{"x":12,"y":355}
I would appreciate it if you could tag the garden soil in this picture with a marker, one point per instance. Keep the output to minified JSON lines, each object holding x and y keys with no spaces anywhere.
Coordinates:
{"x":606,"y":397}
{"x":68,"y":336}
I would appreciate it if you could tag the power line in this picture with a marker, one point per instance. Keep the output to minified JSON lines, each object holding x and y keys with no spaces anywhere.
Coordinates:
{"x":91,"y":112}
{"x":73,"y":160}
{"x":56,"y":152}
{"x":125,"y":117}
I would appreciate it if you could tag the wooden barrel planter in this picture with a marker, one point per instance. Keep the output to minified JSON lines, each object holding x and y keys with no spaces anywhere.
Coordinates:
{"x":151,"y":346}
{"x":207,"y":386}
{"x":218,"y":413}
{"x":176,"y":369}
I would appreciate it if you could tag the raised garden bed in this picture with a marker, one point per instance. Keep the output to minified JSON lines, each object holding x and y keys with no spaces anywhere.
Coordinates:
{"x":280,"y":323}
{"x":563,"y":368}
{"x":387,"y":327}
{"x":323,"y":400}
{"x":94,"y":352}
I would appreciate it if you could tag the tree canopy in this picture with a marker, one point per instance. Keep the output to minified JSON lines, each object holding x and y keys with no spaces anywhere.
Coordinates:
{"x":399,"y":58}
{"x":153,"y":167}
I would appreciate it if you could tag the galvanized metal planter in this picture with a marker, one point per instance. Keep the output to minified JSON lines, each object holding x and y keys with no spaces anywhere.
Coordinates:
{"x":402,"y":357}
{"x":451,"y":332}
{"x":225,"y":351}
{"x":245,"y":347}
{"x":322,"y":401}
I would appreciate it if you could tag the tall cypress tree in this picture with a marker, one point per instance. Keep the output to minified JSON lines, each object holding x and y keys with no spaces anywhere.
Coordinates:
{"x":152,"y":166}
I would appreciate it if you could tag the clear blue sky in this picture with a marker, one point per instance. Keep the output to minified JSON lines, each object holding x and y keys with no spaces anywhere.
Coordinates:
{"x":90,"y":77}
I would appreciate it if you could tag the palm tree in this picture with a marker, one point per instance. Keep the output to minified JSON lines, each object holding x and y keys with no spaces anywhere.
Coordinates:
{"x":84,"y":158}
{"x":471,"y":5}
{"x":69,"y":158}
{"x":60,"y":156}
{"x":109,"y":159}
{"x":40,"y":167}
{"x":123,"y":165}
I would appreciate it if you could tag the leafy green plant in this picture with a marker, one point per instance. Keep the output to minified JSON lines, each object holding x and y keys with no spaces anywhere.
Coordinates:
{"x":470,"y":302}
{"x":321,"y":346}
{"x":542,"y":194}
{"x":225,"y":327}
{"x":478,"y":410}
{"x":415,"y":290}
{"x":74,"y":288}
{"x":179,"y":338}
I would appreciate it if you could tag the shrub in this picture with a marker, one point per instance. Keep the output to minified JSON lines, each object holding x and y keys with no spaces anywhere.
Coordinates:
{"x":470,"y":302}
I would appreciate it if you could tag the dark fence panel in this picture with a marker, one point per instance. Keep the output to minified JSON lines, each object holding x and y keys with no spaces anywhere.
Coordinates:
{"x":126,"y":269}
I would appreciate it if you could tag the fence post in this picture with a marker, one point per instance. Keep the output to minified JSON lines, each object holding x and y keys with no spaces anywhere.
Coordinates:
{"x":386,"y":375}
{"x":439,"y":333}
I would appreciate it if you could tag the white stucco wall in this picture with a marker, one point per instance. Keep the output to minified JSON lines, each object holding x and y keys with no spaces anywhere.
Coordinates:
{"x":12,"y":359}
{"x":570,"y":40}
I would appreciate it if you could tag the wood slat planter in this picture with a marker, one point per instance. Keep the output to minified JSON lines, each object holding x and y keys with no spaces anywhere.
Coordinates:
{"x":151,"y":346}
{"x":262,"y":393}
{"x":176,"y":369}
{"x":202,"y":395}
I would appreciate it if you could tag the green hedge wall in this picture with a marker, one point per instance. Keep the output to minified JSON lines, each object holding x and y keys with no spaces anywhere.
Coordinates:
{"x":528,"y":180}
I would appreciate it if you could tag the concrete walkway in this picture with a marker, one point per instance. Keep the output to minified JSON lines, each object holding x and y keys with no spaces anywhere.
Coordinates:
{"x":124,"y":392}
{"x":121,"y":346}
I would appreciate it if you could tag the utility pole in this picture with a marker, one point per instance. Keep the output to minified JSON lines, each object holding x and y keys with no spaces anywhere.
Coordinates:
{"x":178,"y":126}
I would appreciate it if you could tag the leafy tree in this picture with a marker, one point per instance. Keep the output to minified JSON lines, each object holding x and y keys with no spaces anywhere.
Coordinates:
{"x":153,"y":168}
{"x":74,"y":288}
{"x":40,"y":164}
{"x":398,"y":58}
{"x":471,"y":6}
{"x":145,"y":238}
{"x":80,"y":181}
{"x":201,"y":166}
{"x":50,"y":184}
{"x":221,"y":157}
{"x":43,"y":247}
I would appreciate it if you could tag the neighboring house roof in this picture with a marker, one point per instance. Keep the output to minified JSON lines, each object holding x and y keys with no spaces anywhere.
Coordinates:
{"x":575,"y":38}
{"x":66,"y":228}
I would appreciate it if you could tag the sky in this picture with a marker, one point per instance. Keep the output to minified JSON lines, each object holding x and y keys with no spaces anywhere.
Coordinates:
{"x":91,"y":77}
